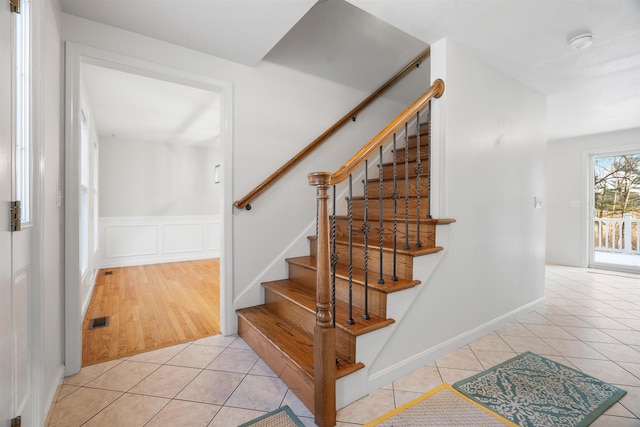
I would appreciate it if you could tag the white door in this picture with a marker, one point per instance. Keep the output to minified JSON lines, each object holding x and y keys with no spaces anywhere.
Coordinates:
{"x":16,"y":270}
{"x":6,"y":373}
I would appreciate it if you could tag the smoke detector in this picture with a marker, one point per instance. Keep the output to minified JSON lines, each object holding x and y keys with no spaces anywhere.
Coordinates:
{"x":581,"y":41}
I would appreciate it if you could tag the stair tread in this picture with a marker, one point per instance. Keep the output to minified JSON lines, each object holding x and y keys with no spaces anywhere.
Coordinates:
{"x":342,"y":271}
{"x":306,"y":297}
{"x":400,"y":179}
{"x":373,"y":246}
{"x":296,"y":344}
{"x":377,"y":198}
{"x":411,"y":220}
{"x":410,"y":162}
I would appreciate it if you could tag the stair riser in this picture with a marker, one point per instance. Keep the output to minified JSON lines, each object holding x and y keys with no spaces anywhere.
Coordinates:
{"x":387,"y":208}
{"x":424,"y":138}
{"x":387,"y":170}
{"x":295,"y":378}
{"x":413,"y":153}
{"x":427,"y":232}
{"x":404,"y":262}
{"x":377,"y":299}
{"x":306,"y":320}
{"x":387,"y":187}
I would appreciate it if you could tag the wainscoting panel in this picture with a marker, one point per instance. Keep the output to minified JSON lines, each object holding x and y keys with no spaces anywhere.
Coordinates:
{"x":126,"y":241}
{"x":130,"y":241}
{"x":183,"y":238}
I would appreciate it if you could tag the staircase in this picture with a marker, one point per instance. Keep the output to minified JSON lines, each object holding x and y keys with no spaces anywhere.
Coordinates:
{"x":281,"y":331}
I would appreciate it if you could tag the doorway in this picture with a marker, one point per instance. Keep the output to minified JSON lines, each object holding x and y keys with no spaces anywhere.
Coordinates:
{"x":615,"y":213}
{"x":76,"y":298}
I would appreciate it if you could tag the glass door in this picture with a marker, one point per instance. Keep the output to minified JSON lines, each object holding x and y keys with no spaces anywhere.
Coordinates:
{"x":616,"y":211}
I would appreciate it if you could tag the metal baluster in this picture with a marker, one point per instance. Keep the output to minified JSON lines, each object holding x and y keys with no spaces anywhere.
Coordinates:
{"x":334,"y":258}
{"x":380,"y":174}
{"x":429,"y":164}
{"x":406,"y":186}
{"x":395,"y":196}
{"x":418,"y":170}
{"x":350,"y":320}
{"x":365,"y":229}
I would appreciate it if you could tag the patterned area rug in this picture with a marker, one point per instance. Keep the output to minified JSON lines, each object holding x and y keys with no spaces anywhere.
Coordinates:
{"x":281,"y":417}
{"x":531,"y":390}
{"x":441,"y":407}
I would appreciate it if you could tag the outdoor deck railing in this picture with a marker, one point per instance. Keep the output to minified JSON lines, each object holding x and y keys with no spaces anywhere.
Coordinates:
{"x":619,"y":235}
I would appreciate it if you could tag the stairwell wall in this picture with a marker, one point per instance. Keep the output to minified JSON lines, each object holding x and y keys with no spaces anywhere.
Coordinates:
{"x":489,"y":134}
{"x":276,"y":112}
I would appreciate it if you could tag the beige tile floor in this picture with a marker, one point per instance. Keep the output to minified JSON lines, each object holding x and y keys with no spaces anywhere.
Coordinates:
{"x":590,"y":321}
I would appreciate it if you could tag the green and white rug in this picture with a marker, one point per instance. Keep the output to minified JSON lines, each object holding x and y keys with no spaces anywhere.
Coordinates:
{"x":531,"y":390}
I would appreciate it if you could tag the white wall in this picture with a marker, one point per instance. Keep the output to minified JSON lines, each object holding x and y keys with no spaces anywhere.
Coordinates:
{"x":277,"y":111}
{"x":568,"y":200}
{"x":51,"y":122}
{"x":157,"y":179}
{"x":490,"y":138}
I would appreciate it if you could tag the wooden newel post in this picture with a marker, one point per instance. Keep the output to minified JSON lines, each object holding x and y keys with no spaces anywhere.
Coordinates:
{"x":324,"y":342}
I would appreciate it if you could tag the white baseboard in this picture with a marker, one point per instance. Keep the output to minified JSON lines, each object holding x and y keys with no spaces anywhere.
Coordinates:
{"x":128,"y":241}
{"x":404,"y":367}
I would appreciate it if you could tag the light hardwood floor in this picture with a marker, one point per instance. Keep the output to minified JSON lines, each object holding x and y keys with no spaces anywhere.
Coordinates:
{"x":150,"y":307}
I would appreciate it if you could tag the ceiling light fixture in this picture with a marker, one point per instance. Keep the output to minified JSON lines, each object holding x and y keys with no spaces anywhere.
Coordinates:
{"x":581,"y":41}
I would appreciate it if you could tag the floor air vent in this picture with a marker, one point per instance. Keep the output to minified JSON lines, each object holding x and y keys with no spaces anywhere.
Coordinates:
{"x":99,"y":322}
{"x":108,"y":273}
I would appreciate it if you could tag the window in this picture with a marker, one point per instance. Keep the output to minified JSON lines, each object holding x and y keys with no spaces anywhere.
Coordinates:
{"x":22,"y":111}
{"x":95,"y":195}
{"x":84,"y":191}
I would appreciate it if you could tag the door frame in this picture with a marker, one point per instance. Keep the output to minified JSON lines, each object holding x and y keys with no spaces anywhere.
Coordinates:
{"x":588,"y":161}
{"x":76,"y":55}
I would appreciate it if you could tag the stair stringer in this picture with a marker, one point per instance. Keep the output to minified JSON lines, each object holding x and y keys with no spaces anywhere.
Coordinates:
{"x":368,"y":346}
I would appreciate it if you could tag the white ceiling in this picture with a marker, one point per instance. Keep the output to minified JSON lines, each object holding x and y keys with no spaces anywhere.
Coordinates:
{"x":590,"y":91}
{"x":129,"y":107}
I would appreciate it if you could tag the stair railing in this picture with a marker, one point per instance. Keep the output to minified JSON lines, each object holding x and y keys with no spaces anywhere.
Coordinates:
{"x":245,"y":202}
{"x":326,"y":254}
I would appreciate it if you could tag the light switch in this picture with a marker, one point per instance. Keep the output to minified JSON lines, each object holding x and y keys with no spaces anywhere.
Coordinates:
{"x":537,"y":202}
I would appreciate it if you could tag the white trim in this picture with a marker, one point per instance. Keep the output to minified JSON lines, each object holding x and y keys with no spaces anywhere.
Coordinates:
{"x":393,"y":372}
{"x":37,"y":214}
{"x":77,"y":54}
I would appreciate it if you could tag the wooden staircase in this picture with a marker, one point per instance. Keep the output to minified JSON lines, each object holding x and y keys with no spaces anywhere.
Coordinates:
{"x":281,"y":330}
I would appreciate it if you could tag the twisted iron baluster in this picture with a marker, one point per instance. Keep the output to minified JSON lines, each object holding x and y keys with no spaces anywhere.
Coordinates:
{"x":429,"y":160}
{"x":418,"y":170}
{"x":380,"y":174}
{"x":406,"y":186}
{"x":334,"y":258}
{"x":350,"y":320}
{"x":365,"y":229}
{"x":395,"y":196}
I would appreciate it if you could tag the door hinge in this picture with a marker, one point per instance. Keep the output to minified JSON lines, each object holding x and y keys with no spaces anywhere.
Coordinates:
{"x":16,"y":422}
{"x":15,"y":7}
{"x":16,"y":225}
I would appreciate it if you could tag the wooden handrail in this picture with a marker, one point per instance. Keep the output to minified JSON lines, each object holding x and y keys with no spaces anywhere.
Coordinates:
{"x":435,"y":91}
{"x":246,"y":200}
